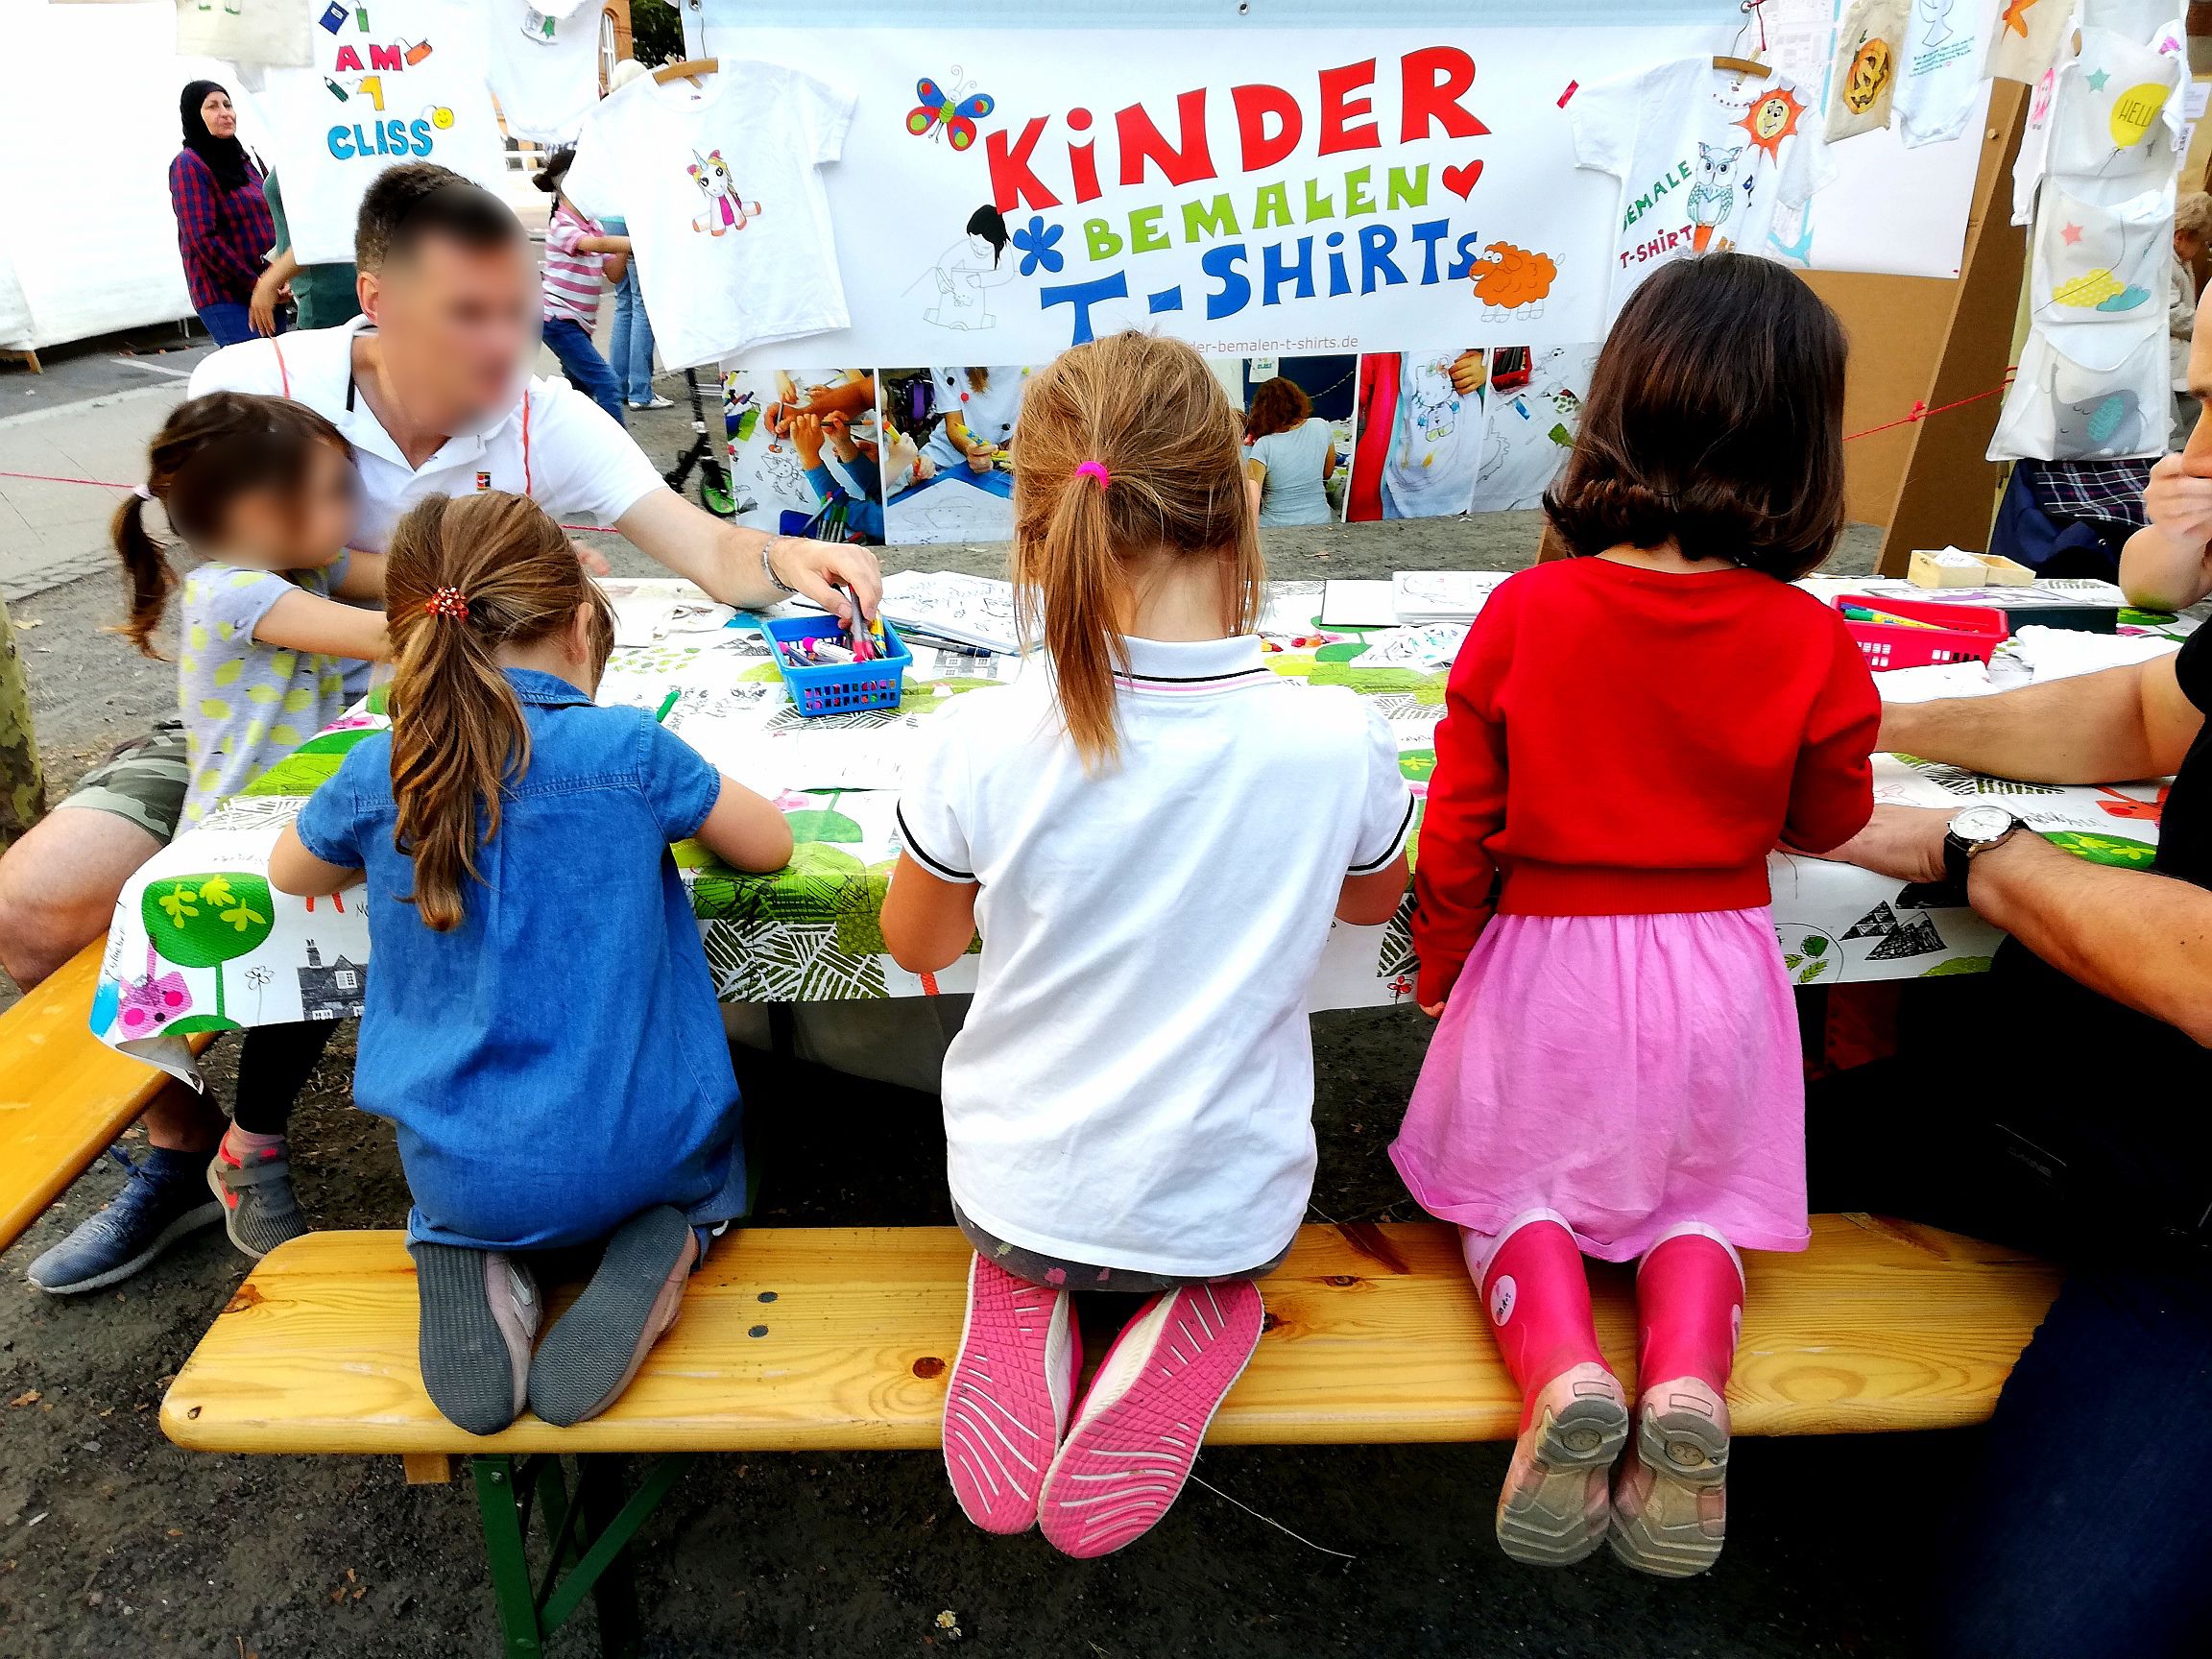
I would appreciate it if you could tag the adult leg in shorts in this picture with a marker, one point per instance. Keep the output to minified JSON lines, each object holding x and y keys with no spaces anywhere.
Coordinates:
{"x":59,"y":884}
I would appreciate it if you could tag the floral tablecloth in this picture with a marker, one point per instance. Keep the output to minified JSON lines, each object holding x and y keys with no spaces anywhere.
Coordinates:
{"x":201,"y":942}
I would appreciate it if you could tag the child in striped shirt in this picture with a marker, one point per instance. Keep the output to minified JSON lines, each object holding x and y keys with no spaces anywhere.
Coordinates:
{"x":580,"y":260}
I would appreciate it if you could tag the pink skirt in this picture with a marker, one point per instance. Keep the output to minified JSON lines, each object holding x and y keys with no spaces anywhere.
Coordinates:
{"x":1632,"y":1073}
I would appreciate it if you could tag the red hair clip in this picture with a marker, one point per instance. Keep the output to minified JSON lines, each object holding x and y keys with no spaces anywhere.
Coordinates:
{"x":447,"y":602}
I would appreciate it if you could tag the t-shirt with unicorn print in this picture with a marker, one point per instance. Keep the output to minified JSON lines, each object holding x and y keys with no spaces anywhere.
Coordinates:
{"x":1706,"y":160}
{"x":720,"y":184}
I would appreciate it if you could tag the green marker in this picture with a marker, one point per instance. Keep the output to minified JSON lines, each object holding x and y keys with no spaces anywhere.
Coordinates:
{"x":674,"y":697}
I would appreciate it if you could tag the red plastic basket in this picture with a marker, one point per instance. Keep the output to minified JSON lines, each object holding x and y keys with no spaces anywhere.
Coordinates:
{"x":1962,"y":632}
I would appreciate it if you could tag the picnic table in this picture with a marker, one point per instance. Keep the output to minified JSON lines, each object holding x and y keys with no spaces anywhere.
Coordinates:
{"x":202,"y":942}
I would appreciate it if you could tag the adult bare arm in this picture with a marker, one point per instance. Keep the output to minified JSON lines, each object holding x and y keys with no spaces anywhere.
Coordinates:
{"x":2104,"y":727}
{"x":2164,"y":566}
{"x":2136,"y":936}
{"x":727,"y":559}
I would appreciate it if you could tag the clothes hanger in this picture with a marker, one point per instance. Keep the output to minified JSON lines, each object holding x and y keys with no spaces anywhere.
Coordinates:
{"x":1733,"y":60}
{"x":689,"y":69}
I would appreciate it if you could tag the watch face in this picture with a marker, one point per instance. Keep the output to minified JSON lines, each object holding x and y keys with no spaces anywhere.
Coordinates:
{"x":1977,"y":824}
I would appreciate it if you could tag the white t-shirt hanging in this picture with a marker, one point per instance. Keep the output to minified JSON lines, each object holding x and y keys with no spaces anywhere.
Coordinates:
{"x":1704,"y":162}
{"x":410,"y":86}
{"x":2136,"y":20}
{"x":544,"y":65}
{"x":2024,"y":43}
{"x":1945,"y":43}
{"x":720,"y":188}
{"x":1436,"y":440}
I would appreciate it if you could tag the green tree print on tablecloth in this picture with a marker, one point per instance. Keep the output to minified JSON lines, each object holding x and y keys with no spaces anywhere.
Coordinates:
{"x":203,"y":922}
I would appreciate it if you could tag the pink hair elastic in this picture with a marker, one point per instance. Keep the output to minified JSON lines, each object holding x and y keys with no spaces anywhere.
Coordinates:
{"x":1096,"y":470}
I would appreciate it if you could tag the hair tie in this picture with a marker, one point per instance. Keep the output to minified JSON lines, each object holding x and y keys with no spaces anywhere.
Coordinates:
{"x":447,"y":602}
{"x":1094,"y":469}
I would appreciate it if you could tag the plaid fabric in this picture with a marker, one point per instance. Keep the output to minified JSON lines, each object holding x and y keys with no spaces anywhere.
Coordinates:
{"x":224,"y":235}
{"x":2101,"y":492}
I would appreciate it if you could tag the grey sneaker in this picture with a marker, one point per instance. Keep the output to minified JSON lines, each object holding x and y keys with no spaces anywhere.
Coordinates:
{"x":259,"y":1211}
{"x":480,"y":1311}
{"x":158,"y":1205}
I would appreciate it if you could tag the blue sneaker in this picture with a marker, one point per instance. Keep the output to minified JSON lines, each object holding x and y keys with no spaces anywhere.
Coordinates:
{"x":164,"y":1200}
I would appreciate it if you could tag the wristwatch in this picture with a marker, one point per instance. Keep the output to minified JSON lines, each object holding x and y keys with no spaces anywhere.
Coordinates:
{"x":1972,"y":831}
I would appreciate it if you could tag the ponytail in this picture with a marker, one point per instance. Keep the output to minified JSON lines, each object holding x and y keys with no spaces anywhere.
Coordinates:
{"x":1076,"y":618}
{"x":464,"y":578}
{"x":1126,"y":451}
{"x":210,"y":450}
{"x":147,"y":569}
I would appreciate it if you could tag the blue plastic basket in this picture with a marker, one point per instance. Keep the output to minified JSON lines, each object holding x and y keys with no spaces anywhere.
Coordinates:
{"x":839,"y":687}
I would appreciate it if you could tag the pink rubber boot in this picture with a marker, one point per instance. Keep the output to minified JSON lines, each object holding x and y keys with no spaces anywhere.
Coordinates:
{"x":1553,"y":1508}
{"x":1670,"y":1503}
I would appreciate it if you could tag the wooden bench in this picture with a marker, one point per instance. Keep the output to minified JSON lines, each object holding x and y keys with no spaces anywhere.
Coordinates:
{"x":64,"y":1094}
{"x":826,"y":1339}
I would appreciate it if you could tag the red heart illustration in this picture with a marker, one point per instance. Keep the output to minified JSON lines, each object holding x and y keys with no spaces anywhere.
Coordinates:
{"x":1461,"y":180}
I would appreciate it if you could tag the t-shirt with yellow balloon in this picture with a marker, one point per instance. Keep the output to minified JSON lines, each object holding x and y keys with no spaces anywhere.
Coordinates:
{"x":247,"y":703}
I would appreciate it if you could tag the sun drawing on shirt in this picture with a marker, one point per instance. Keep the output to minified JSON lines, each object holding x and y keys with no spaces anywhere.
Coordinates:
{"x":1771,"y":119}
{"x":725,"y":209}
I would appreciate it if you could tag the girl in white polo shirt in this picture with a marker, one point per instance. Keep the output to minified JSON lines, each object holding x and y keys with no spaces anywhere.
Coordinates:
{"x":1154,"y":834}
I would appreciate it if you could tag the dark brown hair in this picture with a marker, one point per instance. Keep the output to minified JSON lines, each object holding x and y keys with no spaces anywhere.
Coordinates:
{"x":1277,"y":405}
{"x":458,"y":734}
{"x":1714,"y":420}
{"x":208,"y":452}
{"x":1150,"y":413}
{"x":403,"y":206}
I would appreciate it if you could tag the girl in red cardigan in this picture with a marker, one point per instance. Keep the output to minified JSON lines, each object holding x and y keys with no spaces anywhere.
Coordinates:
{"x":1616,"y":1069}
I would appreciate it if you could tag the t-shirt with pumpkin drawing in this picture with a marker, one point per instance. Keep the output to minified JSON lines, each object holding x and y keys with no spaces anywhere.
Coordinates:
{"x":722,"y":190}
{"x":247,"y":703}
{"x":1705,"y":162}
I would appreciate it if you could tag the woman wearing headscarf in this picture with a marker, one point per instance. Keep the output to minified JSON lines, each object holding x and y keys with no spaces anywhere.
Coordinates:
{"x":224,"y":231}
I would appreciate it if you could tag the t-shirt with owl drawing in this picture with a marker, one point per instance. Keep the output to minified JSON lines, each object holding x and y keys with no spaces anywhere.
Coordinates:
{"x":720,"y":186}
{"x":1706,"y":159}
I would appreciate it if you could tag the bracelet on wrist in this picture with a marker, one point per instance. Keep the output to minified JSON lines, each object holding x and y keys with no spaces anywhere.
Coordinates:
{"x":768,"y":567}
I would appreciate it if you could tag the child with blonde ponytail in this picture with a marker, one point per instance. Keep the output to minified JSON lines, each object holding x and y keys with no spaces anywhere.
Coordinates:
{"x":1153,"y":834}
{"x":540,"y":1026}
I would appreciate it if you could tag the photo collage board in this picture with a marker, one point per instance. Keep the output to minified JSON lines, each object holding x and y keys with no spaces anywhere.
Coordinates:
{"x":923,"y":454}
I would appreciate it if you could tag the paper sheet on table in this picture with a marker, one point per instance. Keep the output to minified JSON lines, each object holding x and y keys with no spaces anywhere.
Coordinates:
{"x":2061,"y":652}
{"x":1293,"y":609}
{"x":1938,"y":681}
{"x":648,"y":610}
{"x":1349,"y":604}
{"x":1420,"y":596}
{"x":973,"y":609}
{"x":1424,"y":648}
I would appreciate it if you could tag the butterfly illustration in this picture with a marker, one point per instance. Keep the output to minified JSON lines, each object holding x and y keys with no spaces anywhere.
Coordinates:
{"x":938,"y":116}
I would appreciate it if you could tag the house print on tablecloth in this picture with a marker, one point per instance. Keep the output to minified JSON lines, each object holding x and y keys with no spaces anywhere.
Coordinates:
{"x":332,"y":991}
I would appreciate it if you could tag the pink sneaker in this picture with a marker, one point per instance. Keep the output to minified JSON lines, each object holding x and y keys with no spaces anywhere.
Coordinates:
{"x":1007,"y":1403}
{"x":1138,"y":1432}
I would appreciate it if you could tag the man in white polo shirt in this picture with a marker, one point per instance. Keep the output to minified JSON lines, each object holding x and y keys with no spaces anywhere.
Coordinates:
{"x":431,"y":385}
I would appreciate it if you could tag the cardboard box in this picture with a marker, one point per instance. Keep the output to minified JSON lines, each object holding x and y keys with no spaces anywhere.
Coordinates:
{"x":1988,"y":570}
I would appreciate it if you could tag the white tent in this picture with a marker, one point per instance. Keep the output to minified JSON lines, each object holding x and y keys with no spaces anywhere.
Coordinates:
{"x":90,"y":124}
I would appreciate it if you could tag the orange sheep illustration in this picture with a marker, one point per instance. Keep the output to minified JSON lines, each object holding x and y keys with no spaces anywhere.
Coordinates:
{"x":1511,"y":278}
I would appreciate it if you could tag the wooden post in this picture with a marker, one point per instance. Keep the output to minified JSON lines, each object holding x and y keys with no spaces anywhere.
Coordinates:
{"x":427,"y":1468}
{"x":1947,"y":492}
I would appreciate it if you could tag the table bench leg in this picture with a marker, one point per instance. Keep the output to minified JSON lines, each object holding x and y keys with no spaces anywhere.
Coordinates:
{"x":588,"y":1534}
